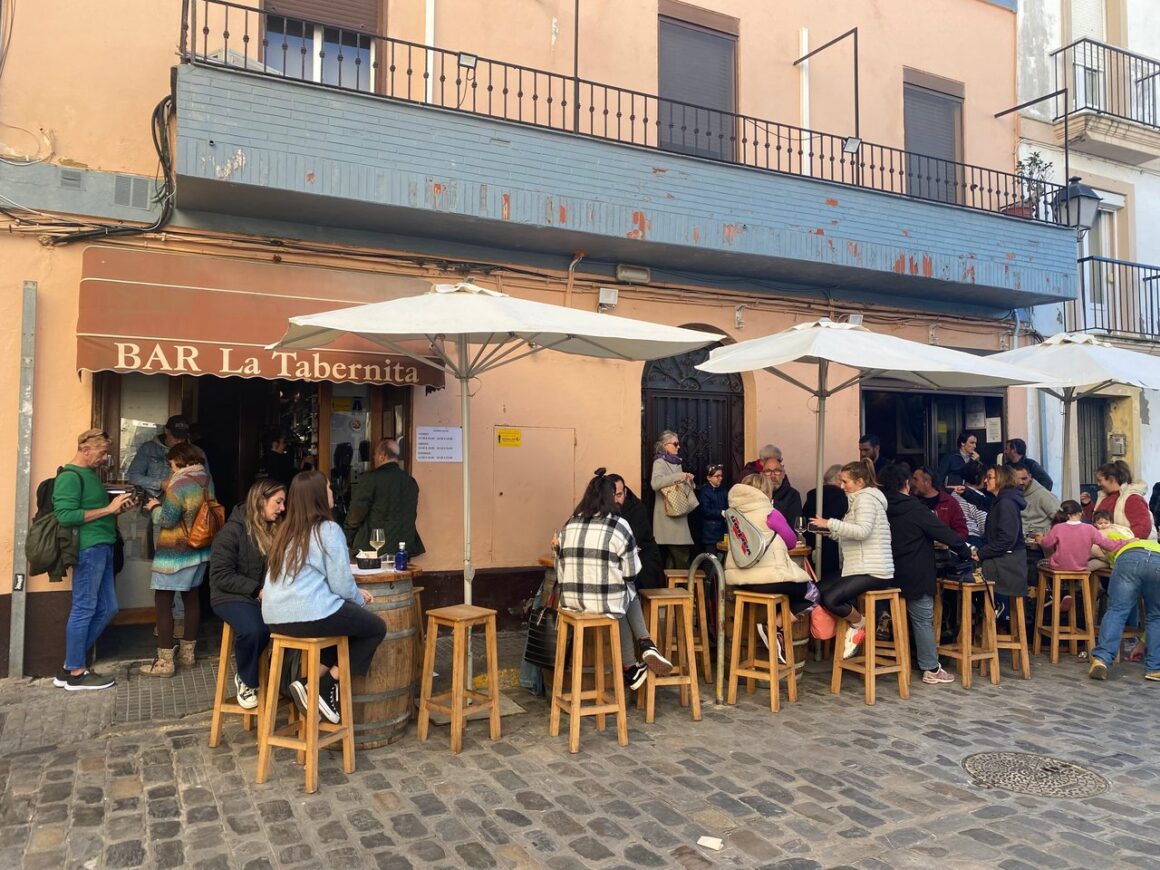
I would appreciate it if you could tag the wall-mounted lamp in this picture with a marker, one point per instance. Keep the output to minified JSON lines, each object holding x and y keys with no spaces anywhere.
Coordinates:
{"x":607,"y":300}
{"x":467,"y":61}
{"x":739,"y":316}
{"x":632,"y":274}
{"x":1076,"y":206}
{"x":851,"y":144}
{"x":854,"y":319}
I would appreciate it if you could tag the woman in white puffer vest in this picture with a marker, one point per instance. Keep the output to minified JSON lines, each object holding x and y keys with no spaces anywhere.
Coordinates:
{"x":775,"y":573}
{"x":863,"y":537}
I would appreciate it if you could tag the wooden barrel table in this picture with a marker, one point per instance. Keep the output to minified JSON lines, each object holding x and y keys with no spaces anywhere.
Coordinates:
{"x":384,"y":700}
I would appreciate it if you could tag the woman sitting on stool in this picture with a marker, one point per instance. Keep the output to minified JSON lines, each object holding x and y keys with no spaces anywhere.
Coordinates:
{"x":310,"y":589}
{"x":237,"y":568}
{"x":863,"y":537}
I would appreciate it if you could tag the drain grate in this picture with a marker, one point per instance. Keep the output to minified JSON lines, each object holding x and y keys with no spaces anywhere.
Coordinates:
{"x":1027,"y":773}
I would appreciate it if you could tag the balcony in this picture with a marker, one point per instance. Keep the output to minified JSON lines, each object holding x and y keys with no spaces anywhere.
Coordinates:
{"x":1113,"y":101}
{"x":315,"y":124}
{"x":1117,"y":298}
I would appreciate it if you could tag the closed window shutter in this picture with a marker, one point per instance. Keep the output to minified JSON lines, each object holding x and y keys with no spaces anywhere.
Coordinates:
{"x":347,"y":14}
{"x":1087,"y":20}
{"x":933,"y":142}
{"x":697,"y":69}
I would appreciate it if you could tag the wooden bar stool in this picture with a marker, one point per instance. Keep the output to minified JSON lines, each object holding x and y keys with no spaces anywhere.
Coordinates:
{"x":675,"y":606}
{"x":1058,"y":584}
{"x":306,"y":739}
{"x":965,"y":651}
{"x":600,"y":627}
{"x":224,"y":704}
{"x":701,"y":629}
{"x":746,"y":606}
{"x":1015,"y":640}
{"x":878,"y":657}
{"x":460,"y":618}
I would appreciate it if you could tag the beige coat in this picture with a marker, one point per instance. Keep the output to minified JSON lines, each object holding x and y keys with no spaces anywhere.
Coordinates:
{"x":668,"y":530}
{"x":775,"y":566}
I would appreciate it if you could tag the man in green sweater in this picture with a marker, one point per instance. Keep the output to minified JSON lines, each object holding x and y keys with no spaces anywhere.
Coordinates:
{"x":79,"y":500}
{"x":386,"y":498}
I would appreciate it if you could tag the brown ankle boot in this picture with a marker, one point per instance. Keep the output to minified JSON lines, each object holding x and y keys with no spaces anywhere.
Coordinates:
{"x":185,"y":653}
{"x":162,"y":666}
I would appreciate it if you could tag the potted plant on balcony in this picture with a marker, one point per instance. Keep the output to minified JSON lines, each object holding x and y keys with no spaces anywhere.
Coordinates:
{"x":1032,"y":172}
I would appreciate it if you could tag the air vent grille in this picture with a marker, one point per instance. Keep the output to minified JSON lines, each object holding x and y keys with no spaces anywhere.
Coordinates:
{"x":72,"y":179}
{"x":132,"y":192}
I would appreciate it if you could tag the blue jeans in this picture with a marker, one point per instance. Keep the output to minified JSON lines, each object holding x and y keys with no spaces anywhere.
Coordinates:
{"x":920,"y":612}
{"x":1136,"y":573}
{"x":251,"y":634}
{"x":94,"y":603}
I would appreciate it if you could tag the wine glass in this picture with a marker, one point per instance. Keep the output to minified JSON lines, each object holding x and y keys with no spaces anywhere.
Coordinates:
{"x":800,"y":525}
{"x":378,"y":539}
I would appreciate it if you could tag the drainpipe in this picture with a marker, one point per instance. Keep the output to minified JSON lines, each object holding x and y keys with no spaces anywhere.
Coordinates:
{"x":804,"y":90}
{"x":429,"y":41}
{"x":1041,"y":399}
{"x":577,"y":256}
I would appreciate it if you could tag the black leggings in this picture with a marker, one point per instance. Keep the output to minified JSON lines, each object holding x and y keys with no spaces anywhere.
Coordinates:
{"x":796,"y":592}
{"x":364,"y":628}
{"x":839,"y":593}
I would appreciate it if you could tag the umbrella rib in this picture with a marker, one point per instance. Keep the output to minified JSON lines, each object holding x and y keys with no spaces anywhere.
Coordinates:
{"x":792,"y":380}
{"x":507,"y":358}
{"x":485,"y":352}
{"x":1101,"y":386}
{"x":608,"y":350}
{"x":445,"y":362}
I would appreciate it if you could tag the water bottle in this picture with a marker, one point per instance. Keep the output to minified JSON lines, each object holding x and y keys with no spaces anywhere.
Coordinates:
{"x":401,"y":557}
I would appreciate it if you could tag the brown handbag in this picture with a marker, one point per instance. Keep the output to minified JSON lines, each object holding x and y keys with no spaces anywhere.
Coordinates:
{"x":211,"y":516}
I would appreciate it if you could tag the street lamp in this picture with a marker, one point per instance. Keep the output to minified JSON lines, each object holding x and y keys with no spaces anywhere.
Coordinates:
{"x":1076,"y":206}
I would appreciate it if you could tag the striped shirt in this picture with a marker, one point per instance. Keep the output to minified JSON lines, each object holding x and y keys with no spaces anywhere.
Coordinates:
{"x":976,"y":518}
{"x":596,"y":555}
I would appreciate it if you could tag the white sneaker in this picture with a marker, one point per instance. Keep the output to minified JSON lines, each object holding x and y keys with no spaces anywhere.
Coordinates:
{"x":247,"y":698}
{"x":761,"y":634}
{"x":853,"y":640}
{"x":937,"y":676}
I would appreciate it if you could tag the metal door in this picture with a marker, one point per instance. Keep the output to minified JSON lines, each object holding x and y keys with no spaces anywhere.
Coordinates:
{"x":1092,"y":423}
{"x":705,"y":410}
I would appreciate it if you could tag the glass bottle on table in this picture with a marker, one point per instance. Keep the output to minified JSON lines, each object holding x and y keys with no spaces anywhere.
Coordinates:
{"x":378,"y":539}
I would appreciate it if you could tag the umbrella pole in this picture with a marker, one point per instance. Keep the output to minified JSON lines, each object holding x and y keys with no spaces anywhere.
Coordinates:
{"x":1070,"y":484}
{"x":465,"y":417}
{"x":823,"y":373}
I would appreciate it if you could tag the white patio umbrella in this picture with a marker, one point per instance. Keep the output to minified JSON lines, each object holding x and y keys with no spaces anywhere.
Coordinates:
{"x":870,"y":354}
{"x":499,"y":329}
{"x":1073,"y":365}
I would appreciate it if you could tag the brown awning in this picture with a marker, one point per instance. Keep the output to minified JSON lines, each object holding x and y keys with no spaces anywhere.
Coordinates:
{"x":190,"y":314}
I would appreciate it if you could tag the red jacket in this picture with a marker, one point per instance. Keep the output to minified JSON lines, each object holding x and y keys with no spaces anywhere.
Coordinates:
{"x":948,"y":510}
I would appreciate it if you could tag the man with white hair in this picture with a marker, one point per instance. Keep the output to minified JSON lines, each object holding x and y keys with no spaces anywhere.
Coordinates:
{"x":757,"y":466}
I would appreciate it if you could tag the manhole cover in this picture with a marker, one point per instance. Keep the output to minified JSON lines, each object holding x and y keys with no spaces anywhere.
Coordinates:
{"x":1026,"y":773}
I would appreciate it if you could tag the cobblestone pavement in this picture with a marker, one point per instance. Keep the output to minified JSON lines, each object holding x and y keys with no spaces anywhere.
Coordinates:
{"x":827,"y":782}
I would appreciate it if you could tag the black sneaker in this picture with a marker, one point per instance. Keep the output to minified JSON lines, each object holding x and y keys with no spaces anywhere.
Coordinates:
{"x":298,"y":694}
{"x":61,"y":679}
{"x":328,"y":699}
{"x":87,"y":681}
{"x":653,"y":659}
{"x":634,"y":676}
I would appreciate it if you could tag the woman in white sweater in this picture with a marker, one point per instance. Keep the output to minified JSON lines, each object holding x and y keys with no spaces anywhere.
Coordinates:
{"x":863,"y":537}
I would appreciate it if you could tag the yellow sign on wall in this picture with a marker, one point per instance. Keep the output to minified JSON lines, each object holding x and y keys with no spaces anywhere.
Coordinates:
{"x":509,"y":437}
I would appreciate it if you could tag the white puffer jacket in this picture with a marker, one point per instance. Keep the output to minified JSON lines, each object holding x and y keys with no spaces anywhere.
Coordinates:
{"x":863,"y":536}
{"x":775,"y":566}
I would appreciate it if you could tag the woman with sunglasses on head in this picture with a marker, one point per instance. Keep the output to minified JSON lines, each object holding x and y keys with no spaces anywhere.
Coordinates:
{"x":310,"y":589}
{"x":672,"y":533}
{"x":237,"y":569}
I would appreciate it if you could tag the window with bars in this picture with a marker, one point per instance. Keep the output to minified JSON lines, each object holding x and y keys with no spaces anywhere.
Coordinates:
{"x":317,"y":53}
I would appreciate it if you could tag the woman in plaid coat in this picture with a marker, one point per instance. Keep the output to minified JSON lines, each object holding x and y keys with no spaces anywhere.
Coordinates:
{"x":597,"y":554}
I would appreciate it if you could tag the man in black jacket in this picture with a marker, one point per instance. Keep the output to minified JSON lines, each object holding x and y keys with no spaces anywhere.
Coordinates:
{"x":1015,"y":452}
{"x":785,"y":498}
{"x":913,"y":530}
{"x":386,"y":498}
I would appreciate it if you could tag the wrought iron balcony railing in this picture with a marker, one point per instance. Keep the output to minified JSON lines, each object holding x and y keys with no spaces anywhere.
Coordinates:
{"x":228,"y":35}
{"x":1116,"y":297}
{"x":1109,"y":80}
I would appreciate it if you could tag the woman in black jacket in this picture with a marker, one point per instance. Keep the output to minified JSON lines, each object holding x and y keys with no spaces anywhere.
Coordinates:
{"x":652,"y":572}
{"x":834,"y":507}
{"x":237,"y":568}
{"x":1004,"y":552}
{"x":913,"y":530}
